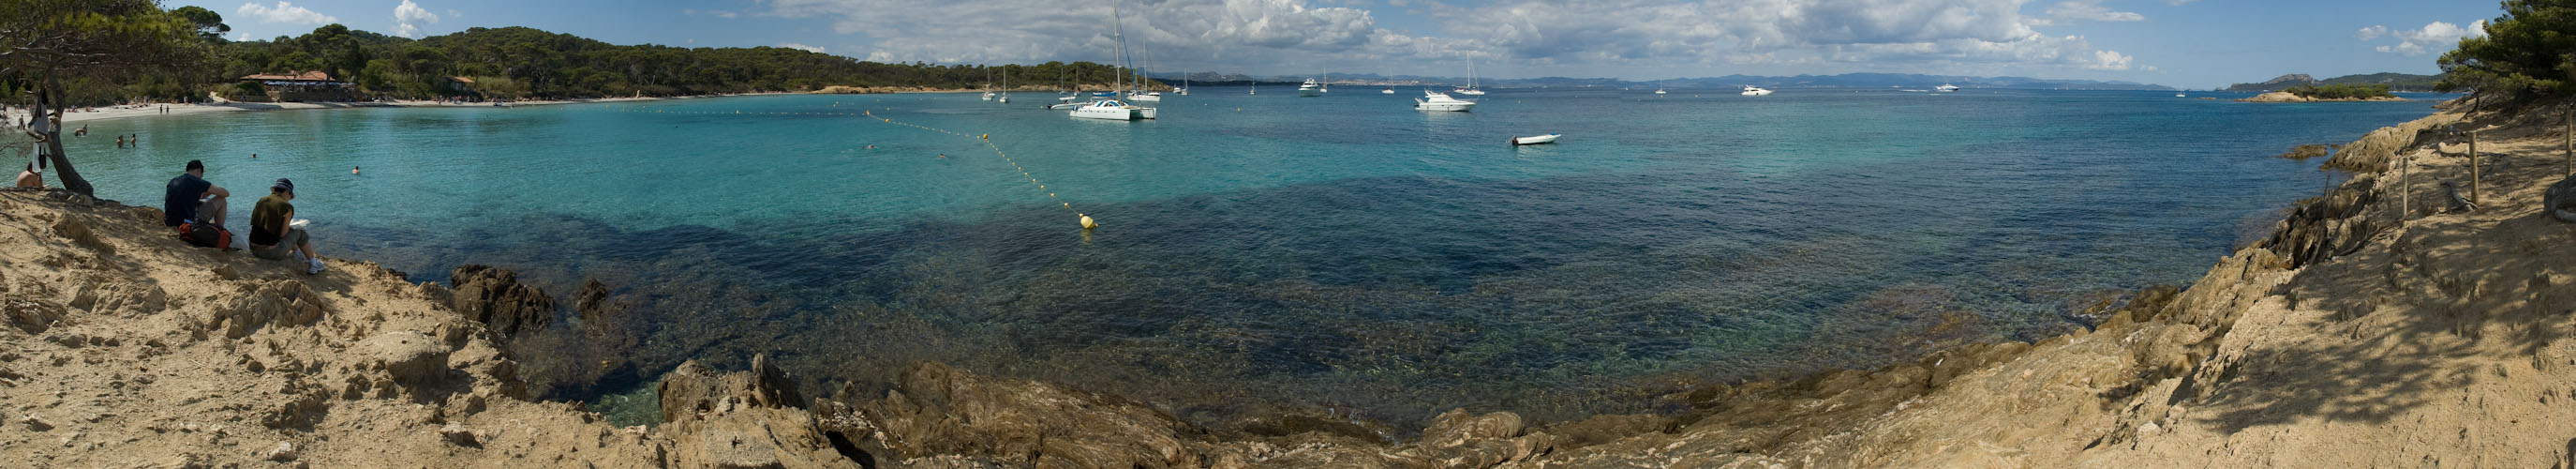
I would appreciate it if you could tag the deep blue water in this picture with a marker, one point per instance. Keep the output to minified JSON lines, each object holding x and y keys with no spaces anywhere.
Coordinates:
{"x":1269,"y":251}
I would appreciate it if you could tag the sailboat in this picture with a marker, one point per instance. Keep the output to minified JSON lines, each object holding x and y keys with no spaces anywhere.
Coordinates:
{"x":1328,"y":84}
{"x":988,"y":84}
{"x":1184,"y":90}
{"x":1470,"y":89}
{"x":1141,"y":93}
{"x":1112,"y":109}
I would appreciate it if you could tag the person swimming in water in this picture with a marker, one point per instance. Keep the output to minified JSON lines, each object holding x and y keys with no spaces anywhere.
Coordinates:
{"x":353,"y":170}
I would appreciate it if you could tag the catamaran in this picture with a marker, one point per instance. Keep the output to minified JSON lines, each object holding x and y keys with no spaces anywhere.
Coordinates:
{"x":1113,"y":109}
{"x":1470,"y":89}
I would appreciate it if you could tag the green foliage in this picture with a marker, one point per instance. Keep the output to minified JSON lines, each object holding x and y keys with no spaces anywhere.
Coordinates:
{"x":2395,"y":81}
{"x":210,"y":25}
{"x":2355,"y":91}
{"x":2531,"y":49}
{"x":521,"y":62}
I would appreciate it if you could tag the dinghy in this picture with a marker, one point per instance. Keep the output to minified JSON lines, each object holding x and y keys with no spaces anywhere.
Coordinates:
{"x":1549,"y":138}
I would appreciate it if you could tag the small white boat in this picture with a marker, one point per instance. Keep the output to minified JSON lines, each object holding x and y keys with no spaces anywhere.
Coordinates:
{"x":1659,"y":91}
{"x":1310,"y":89}
{"x":1388,"y":91}
{"x":1750,"y":90}
{"x":1145,"y":97}
{"x":1549,"y":138}
{"x":1946,"y":88}
{"x":1005,"y":98}
{"x":1470,"y":91}
{"x":2178,"y":95}
{"x":988,"y":96}
{"x":1437,"y":101}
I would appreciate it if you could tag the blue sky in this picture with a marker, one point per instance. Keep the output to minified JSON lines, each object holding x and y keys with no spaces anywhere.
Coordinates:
{"x":2184,"y":43}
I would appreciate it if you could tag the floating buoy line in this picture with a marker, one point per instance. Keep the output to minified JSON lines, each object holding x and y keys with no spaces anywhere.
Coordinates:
{"x":986,"y":139}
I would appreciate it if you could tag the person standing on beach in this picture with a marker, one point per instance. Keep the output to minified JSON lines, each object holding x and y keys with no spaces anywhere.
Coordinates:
{"x":272,"y":235}
{"x":189,"y":196}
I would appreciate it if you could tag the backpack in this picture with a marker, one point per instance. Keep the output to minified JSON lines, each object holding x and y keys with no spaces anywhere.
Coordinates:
{"x":206,"y":235}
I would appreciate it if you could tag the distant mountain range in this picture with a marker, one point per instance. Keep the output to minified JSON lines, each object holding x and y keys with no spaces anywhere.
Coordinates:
{"x":2395,"y":82}
{"x":1847,"y":80}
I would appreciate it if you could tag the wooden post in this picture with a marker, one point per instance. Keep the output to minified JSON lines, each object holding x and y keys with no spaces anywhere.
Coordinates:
{"x":2571,"y":142}
{"x":2473,"y":167}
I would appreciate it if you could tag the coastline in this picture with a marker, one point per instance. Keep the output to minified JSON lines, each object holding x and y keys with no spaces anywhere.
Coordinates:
{"x":2354,"y":326}
{"x":153,"y":110}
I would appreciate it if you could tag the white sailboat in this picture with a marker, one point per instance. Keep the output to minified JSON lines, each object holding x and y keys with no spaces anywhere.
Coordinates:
{"x":1112,"y":109}
{"x":1184,"y":90}
{"x":1659,"y":91}
{"x":1470,"y":89}
{"x":1005,"y":98}
{"x":1437,"y":101}
{"x":1388,"y":91}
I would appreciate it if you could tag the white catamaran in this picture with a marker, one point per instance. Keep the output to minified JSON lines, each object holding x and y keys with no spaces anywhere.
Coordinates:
{"x":1112,"y":109}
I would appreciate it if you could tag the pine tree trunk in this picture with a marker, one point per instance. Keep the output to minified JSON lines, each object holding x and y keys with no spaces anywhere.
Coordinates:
{"x":52,"y":134}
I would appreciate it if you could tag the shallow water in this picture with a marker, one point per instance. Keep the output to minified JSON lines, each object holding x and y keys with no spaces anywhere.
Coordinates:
{"x":1268,"y":251}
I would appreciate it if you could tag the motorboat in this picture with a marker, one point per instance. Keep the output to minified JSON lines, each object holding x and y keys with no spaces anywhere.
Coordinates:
{"x":1310,"y":89}
{"x":1145,"y":97}
{"x":1946,"y":88}
{"x":1438,"y":101}
{"x":1387,"y":91}
{"x":1659,"y":91}
{"x":1750,"y":90}
{"x":1549,"y":138}
{"x":988,"y":96}
{"x":1111,"y":109}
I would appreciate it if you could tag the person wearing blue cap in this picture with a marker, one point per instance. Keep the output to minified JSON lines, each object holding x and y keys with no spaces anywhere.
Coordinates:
{"x":272,"y":232}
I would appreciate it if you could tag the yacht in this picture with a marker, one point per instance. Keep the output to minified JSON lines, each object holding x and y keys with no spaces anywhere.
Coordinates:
{"x":1310,"y":89}
{"x":1659,"y":91}
{"x":1470,"y":89}
{"x":1145,"y":96}
{"x":1437,"y":101}
{"x":1388,"y":91}
{"x":1111,"y":109}
{"x":1946,"y":88}
{"x":988,"y":96}
{"x":1750,"y":90}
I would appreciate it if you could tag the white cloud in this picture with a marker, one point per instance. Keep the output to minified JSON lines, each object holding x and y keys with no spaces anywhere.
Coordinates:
{"x":807,"y":48}
{"x":409,"y":12}
{"x":2071,"y":11}
{"x":2432,"y":37}
{"x":283,"y":13}
{"x":1305,"y":35}
{"x":409,"y":16}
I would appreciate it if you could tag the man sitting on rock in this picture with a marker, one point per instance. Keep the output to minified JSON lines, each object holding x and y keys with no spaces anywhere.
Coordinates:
{"x":271,"y":234}
{"x":189,"y":197}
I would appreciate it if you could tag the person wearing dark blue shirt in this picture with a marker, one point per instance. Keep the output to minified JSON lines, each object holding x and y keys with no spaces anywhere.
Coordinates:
{"x":191,"y":198}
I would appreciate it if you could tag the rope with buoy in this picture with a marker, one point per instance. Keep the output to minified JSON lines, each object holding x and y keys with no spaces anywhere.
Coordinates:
{"x":987,"y":140}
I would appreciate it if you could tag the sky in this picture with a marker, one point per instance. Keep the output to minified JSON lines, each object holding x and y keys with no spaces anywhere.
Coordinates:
{"x":2183,"y":43}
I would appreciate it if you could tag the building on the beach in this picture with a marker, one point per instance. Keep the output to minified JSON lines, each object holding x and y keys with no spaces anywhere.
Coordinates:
{"x":310,"y":85}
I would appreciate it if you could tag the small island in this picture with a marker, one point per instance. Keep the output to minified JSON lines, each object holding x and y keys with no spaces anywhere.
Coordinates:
{"x":2325,"y":93}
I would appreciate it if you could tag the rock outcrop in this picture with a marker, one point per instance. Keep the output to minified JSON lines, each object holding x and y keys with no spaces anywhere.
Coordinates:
{"x":494,"y":297}
{"x":746,"y":419}
{"x":2308,"y":151}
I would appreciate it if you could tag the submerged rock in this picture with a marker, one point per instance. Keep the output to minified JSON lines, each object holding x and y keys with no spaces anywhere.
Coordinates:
{"x":2308,"y":151}
{"x":494,"y":297}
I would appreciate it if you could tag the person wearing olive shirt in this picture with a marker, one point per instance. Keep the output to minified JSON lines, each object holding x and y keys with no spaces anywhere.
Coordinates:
{"x":272,"y":237}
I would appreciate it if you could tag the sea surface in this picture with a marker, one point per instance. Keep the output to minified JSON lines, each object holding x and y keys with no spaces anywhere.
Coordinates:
{"x":1342,"y":255}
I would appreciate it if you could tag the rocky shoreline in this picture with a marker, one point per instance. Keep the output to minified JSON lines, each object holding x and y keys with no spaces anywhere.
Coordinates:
{"x":2369,"y":317}
{"x":2287,"y":97}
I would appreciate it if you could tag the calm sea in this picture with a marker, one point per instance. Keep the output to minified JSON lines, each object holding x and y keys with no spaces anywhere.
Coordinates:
{"x":1268,"y":252}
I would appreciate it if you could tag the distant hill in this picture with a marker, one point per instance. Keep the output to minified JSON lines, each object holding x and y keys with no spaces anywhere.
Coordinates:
{"x":1848,"y":80}
{"x":2395,"y":82}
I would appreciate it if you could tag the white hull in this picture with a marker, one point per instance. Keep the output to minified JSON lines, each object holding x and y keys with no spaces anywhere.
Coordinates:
{"x":1754,"y":91}
{"x":1549,"y":138}
{"x":1440,"y":102}
{"x":1388,"y":91}
{"x":1309,"y":92}
{"x":1112,"y":110}
{"x":1145,"y":97}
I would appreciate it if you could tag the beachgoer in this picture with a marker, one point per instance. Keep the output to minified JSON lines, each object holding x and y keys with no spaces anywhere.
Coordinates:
{"x":353,"y":170}
{"x":31,"y":179}
{"x":272,"y":237}
{"x":120,"y":141}
{"x":190,"y":197}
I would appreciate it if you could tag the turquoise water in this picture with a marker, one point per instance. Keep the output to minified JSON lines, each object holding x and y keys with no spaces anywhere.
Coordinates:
{"x":1268,"y":251}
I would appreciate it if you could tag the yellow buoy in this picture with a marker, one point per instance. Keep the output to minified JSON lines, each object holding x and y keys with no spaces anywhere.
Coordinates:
{"x":1087,"y":223}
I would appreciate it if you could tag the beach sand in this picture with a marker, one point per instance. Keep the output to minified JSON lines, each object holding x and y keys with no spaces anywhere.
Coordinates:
{"x":89,"y":114}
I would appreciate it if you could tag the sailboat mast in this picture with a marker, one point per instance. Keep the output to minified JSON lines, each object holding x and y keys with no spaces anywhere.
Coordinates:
{"x":1117,"y":31}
